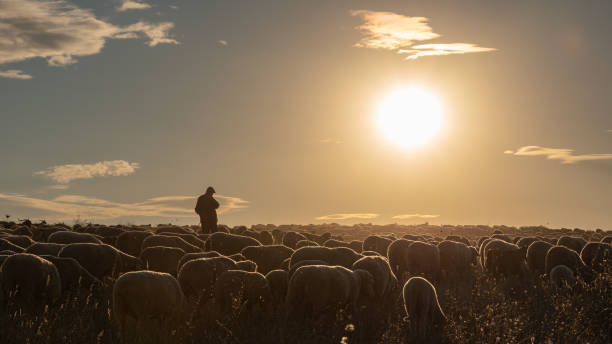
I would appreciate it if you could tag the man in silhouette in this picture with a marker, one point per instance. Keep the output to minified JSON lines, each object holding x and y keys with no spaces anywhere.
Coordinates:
{"x":206,"y":207}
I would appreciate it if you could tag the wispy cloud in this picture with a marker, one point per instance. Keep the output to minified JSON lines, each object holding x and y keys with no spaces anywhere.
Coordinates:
{"x":127,"y":5}
{"x":64,"y":174}
{"x":330,"y":140}
{"x":14,"y":74}
{"x":396,"y":32}
{"x":421,"y":50}
{"x":566,"y":156}
{"x":347,"y":216}
{"x":222,"y":42}
{"x":59,"y":31}
{"x":415,"y":216}
{"x":71,"y":206}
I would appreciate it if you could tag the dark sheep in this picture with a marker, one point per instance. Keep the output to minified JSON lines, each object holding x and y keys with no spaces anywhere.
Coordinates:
{"x":385,"y":282}
{"x":377,"y":244}
{"x":574,"y":243}
{"x":336,"y":243}
{"x":173,"y":229}
{"x":504,"y":258}
{"x":190,"y":238}
{"x":317,"y":290}
{"x":72,"y":275}
{"x":304,"y":243}
{"x":162,"y":259}
{"x":278,"y":280}
{"x":228,"y":244}
{"x":197,"y":277}
{"x":422,"y":307}
{"x":305,"y":263}
{"x":191,"y":256}
{"x":607,"y":239}
{"x":356,"y":245}
{"x":524,"y":243}
{"x":66,"y":237}
{"x":536,"y":256}
{"x":457,"y":238}
{"x":561,"y":275}
{"x":561,"y":255}
{"x":19,"y":240}
{"x":341,"y":256}
{"x":29,"y":280}
{"x":398,"y":258}
{"x":131,"y":242}
{"x":456,"y":259}
{"x":45,"y":248}
{"x":168,"y":241}
{"x":9,"y":246}
{"x":247,"y":291}
{"x":502,"y":237}
{"x":424,"y":259}
{"x":291,"y":239}
{"x":246,"y":265}
{"x":414,"y":237}
{"x":268,"y":258}
{"x":100,"y":260}
{"x":597,"y":255}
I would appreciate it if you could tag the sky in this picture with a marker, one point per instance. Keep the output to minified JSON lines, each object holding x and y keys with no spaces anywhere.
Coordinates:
{"x":117,"y":111}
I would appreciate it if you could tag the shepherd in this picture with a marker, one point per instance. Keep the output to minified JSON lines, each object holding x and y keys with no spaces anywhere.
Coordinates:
{"x":206,"y":207}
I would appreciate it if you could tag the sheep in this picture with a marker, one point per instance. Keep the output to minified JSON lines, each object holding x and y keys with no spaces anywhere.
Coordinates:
{"x":536,"y":256}
{"x":413,"y":237}
{"x":524,"y":243}
{"x":502,"y":237}
{"x":574,"y":243}
{"x":561,"y":255}
{"x":337,"y":243}
{"x":146,"y":302}
{"x":423,"y":259}
{"x":246,"y":265}
{"x":304,"y":243}
{"x":29,"y":280}
{"x":128,"y":262}
{"x":100,"y":260}
{"x":191,"y":256}
{"x":278,"y":235}
{"x":455,"y":259}
{"x":607,"y":239}
{"x":72,"y":275}
{"x":162,"y":259}
{"x":190,"y":238}
{"x":172,"y":229}
{"x":422,"y":307}
{"x":131,"y":242}
{"x":67,"y":237}
{"x":597,"y":255}
{"x":377,"y":244}
{"x":504,"y":258}
{"x":197,"y":277}
{"x":304,"y":263}
{"x":334,"y":256}
{"x":560,"y":275}
{"x":250,"y":290}
{"x":42,"y":233}
{"x":168,"y":241}
{"x":356,"y":245}
{"x":457,"y":238}
{"x":7,"y":245}
{"x":290,"y":239}
{"x":19,"y":240}
{"x":397,"y":252}
{"x":228,"y":244}
{"x":267,"y":258}
{"x":46,"y":248}
{"x":278,"y":280}
{"x":265,"y":240}
{"x":320,"y":291}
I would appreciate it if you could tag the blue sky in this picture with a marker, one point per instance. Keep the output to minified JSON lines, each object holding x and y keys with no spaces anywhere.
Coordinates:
{"x":274,"y":104}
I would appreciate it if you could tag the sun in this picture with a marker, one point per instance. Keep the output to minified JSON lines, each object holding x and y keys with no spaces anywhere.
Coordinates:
{"x":410,"y":117}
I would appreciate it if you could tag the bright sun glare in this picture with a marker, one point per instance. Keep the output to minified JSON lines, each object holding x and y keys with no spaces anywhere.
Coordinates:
{"x":410,"y":117}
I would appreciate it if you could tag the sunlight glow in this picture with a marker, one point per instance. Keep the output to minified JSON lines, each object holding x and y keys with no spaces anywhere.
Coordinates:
{"x":410,"y":117}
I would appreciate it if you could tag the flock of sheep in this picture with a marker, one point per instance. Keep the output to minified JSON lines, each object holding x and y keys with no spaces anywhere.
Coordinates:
{"x":344,"y":282}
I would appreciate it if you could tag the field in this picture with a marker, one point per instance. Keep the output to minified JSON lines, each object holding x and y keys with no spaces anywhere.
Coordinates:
{"x":481,"y":309}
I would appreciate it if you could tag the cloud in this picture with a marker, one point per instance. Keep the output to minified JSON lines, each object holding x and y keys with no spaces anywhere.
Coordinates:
{"x":345,"y":216}
{"x":127,"y":5}
{"x":64,"y":174}
{"x":72,"y":206}
{"x":565,"y":155}
{"x":392,"y":31}
{"x":14,"y":74}
{"x":222,"y":42}
{"x":441,"y":49}
{"x":415,"y":216}
{"x":59,"y":32}
{"x":330,"y":140}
